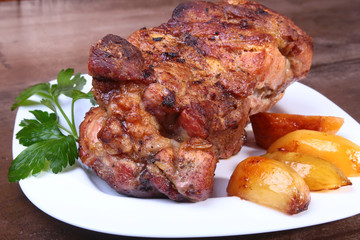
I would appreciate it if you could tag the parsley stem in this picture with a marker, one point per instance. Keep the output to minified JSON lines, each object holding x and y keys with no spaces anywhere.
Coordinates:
{"x":72,"y":115}
{"x":72,"y":127}
{"x":65,"y":129}
{"x":44,"y":95}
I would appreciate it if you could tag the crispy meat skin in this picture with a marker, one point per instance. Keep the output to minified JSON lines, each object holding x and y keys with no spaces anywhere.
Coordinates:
{"x":175,"y":98}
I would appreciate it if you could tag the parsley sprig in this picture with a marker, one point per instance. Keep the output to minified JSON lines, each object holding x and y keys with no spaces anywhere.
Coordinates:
{"x":48,"y":143}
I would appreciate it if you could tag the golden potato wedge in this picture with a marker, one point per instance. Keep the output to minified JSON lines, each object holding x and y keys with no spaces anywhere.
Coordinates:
{"x":268,"y":127}
{"x":270,"y":183}
{"x":318,"y":173}
{"x":333,"y":148}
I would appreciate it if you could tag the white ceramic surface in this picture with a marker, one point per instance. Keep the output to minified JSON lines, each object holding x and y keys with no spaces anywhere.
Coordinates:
{"x":78,"y":197}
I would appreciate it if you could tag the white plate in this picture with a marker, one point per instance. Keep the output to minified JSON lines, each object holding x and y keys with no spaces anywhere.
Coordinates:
{"x":76,"y":196}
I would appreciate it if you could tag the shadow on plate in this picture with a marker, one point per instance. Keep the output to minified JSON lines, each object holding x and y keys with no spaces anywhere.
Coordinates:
{"x":219,"y":190}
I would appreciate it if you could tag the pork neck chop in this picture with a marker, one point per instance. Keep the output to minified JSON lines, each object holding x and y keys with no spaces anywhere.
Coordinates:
{"x":174,"y":99}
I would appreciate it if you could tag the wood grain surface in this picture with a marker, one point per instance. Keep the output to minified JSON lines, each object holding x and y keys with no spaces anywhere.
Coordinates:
{"x":39,"y":38}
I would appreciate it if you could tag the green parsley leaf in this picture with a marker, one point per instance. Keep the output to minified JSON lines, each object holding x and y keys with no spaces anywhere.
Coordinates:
{"x":44,"y":137}
{"x":22,"y":99}
{"x":67,"y":83}
{"x":59,"y":152}
{"x":42,"y":129}
{"x":76,"y":95}
{"x":44,"y":117}
{"x":48,"y":103}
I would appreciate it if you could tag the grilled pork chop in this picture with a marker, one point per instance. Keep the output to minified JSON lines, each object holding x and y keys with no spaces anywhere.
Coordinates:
{"x":173,"y":99}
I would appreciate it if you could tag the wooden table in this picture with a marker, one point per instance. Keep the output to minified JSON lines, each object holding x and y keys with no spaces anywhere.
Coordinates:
{"x":39,"y":38}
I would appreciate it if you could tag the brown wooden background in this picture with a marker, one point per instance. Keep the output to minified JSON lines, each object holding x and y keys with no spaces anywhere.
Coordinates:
{"x":39,"y":38}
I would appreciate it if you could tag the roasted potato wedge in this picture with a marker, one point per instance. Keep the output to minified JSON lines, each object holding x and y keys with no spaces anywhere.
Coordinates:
{"x":333,"y":148}
{"x":270,"y":183}
{"x":318,"y":174}
{"x":268,"y":127}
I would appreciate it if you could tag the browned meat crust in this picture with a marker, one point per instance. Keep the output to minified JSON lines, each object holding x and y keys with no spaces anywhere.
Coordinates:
{"x":177,"y":97}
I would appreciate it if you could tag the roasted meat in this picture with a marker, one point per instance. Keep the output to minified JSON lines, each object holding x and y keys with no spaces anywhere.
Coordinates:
{"x":173,"y":99}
